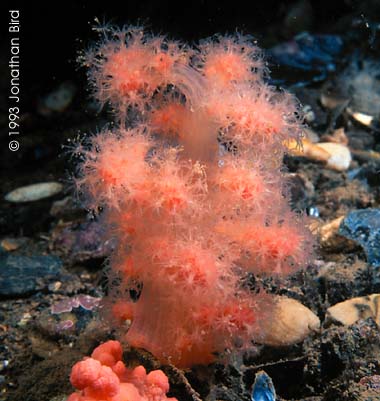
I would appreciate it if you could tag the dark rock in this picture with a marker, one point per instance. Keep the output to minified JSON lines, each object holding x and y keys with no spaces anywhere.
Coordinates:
{"x":22,"y":275}
{"x":338,"y":281}
{"x":307,"y":57}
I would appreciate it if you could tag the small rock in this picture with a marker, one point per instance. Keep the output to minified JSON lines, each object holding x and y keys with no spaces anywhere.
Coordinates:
{"x":26,"y":317}
{"x":329,"y":236}
{"x":11,"y":244}
{"x":80,"y":242}
{"x":21,"y":275}
{"x":330,"y":230}
{"x":58,"y":100}
{"x":363,"y":227}
{"x":34,"y":192}
{"x":308,"y":114}
{"x":263,"y":389}
{"x":362,"y":118}
{"x":312,"y":211}
{"x":4,"y":364}
{"x":54,"y":287}
{"x":350,"y":311}
{"x":290,"y":323}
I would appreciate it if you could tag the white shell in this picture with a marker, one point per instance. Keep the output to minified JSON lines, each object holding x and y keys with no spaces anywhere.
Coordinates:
{"x":290,"y":323}
{"x":362,"y":118}
{"x":340,"y":155}
{"x":336,"y":156}
{"x":34,"y":192}
{"x":351,"y":310}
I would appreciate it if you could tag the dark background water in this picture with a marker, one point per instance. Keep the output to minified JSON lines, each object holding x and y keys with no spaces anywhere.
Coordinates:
{"x":53,"y":33}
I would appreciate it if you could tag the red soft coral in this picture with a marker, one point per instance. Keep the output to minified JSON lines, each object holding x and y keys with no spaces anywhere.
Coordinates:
{"x":104,"y":377}
{"x":193,"y":193}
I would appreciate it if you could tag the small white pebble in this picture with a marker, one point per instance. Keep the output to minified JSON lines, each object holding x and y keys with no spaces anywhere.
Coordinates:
{"x":34,"y":192}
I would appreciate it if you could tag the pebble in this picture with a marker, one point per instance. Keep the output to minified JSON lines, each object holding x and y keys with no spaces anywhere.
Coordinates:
{"x":308,"y":114}
{"x":363,"y":227}
{"x":329,"y":236}
{"x":34,"y":192}
{"x":81,"y":242}
{"x":59,"y":99}
{"x":54,"y":287}
{"x":4,"y":364}
{"x":350,"y":311}
{"x":12,"y":244}
{"x":290,"y":323}
{"x":362,"y":118}
{"x":336,"y":156}
{"x":21,"y":275}
{"x":263,"y":388}
{"x":26,"y":317}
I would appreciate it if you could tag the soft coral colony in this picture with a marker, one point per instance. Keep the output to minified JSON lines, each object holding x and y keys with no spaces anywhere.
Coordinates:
{"x":191,"y":186}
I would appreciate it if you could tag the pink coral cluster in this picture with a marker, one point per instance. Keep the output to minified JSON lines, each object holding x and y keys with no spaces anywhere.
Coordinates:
{"x":104,"y":377}
{"x":190,"y":185}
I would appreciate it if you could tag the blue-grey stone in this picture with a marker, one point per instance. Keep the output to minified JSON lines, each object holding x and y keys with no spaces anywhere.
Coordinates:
{"x":363,"y":227}
{"x":263,"y":389}
{"x":21,"y":275}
